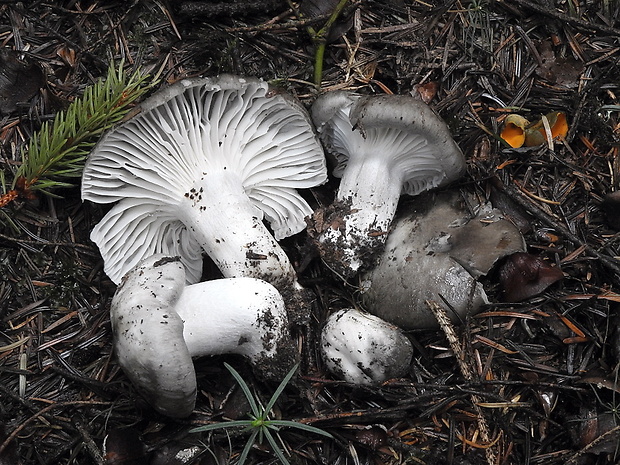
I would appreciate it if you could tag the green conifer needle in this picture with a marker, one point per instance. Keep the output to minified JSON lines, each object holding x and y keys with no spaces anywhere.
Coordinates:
{"x":56,"y":153}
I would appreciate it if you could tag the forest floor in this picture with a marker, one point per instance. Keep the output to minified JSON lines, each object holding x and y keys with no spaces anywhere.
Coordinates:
{"x":544,"y":387}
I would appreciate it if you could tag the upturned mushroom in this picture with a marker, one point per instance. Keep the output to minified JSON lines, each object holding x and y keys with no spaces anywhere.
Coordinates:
{"x":437,"y":252}
{"x":384,"y":146}
{"x":160,"y":324}
{"x":198,"y":168}
{"x":362,"y":349}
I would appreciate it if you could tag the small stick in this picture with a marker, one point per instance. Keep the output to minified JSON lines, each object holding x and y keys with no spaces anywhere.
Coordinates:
{"x":446,"y":325}
{"x":612,"y":434}
{"x":42,"y":413}
{"x":580,"y":23}
{"x":89,"y":443}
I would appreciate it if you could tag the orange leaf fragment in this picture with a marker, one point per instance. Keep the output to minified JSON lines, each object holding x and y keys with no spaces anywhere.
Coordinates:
{"x":519,"y":132}
{"x":536,"y":134}
{"x":514,"y":130}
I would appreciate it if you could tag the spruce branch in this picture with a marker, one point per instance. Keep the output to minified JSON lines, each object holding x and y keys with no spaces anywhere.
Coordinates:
{"x":56,"y":153}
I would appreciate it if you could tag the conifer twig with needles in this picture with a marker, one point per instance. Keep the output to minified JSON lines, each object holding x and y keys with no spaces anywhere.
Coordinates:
{"x":56,"y":152}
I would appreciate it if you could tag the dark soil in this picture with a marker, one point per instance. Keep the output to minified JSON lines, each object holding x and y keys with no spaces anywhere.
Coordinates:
{"x":543,"y":382}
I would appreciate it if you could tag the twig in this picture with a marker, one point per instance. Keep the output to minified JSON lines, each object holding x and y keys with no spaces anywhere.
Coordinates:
{"x":88,"y":442}
{"x":42,"y":412}
{"x":46,"y":243}
{"x":292,"y":24}
{"x":461,"y":358}
{"x":607,"y":435}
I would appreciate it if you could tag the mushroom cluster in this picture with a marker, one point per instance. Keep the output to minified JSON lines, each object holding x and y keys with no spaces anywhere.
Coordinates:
{"x":201,"y":166}
{"x":197,"y":170}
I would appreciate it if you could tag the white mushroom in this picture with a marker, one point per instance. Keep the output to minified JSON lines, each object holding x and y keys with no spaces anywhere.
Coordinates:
{"x":159,"y":324}
{"x":437,"y":252}
{"x":362,"y":349}
{"x":197,"y":169}
{"x":385,"y":146}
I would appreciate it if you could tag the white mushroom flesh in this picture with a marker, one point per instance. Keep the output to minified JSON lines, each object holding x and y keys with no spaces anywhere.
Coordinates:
{"x":160,"y":324}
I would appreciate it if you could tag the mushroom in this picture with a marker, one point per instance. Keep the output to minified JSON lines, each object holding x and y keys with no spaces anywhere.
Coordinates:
{"x":362,"y":349}
{"x":159,"y":324}
{"x":197,"y":169}
{"x":384,"y":146}
{"x":438,"y":251}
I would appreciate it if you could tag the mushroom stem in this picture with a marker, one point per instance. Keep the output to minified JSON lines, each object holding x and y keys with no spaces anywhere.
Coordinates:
{"x":369,"y":195}
{"x":243,"y":316}
{"x":194,"y":157}
{"x":385,"y":146}
{"x":230,"y":230}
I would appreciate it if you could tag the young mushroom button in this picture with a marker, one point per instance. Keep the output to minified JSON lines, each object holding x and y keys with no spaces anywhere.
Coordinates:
{"x":159,"y":324}
{"x":362,"y":349}
{"x":384,"y":146}
{"x":197,"y":169}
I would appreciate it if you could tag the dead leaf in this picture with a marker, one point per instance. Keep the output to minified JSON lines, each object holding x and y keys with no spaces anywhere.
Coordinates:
{"x":562,"y":71}
{"x":524,"y":275}
{"x":426,"y":92}
{"x":9,"y":454}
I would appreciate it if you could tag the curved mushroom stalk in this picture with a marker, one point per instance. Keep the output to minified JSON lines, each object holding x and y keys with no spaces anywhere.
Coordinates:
{"x":363,"y":349}
{"x":197,"y":169}
{"x":385,"y":146}
{"x":159,"y":324}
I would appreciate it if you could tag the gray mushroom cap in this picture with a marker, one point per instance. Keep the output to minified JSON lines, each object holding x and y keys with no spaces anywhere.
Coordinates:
{"x":403,"y":131}
{"x":437,"y":252}
{"x":200,"y":165}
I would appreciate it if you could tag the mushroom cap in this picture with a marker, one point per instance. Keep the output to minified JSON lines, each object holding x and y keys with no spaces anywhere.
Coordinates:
{"x":400,"y":129}
{"x":196,"y":126}
{"x":148,"y":335}
{"x":363,"y":349}
{"x":437,"y":251}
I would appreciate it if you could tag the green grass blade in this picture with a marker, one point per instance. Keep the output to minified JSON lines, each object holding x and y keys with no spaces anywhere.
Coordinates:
{"x":222,"y":425}
{"x":246,"y":390}
{"x":281,"y":387}
{"x":276,"y":448}
{"x":246,"y":450}
{"x":301,"y":426}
